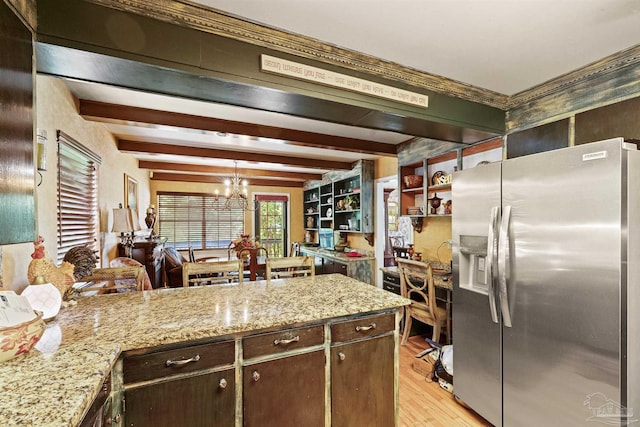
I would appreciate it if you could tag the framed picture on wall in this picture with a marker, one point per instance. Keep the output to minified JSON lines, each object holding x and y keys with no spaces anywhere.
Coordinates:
{"x":130,"y":192}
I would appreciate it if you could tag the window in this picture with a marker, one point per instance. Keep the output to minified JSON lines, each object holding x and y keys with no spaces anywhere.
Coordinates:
{"x":77,"y":196}
{"x":189,"y":219}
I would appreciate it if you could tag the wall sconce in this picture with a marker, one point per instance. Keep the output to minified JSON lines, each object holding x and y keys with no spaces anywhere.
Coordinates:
{"x":125,"y":222}
{"x":41,"y":152}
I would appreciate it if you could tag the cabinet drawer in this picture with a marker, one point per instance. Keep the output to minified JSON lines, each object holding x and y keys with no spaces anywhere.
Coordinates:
{"x":362,"y":327}
{"x":177,"y":361}
{"x":391,"y":287}
{"x":391,"y":278}
{"x":281,"y":341}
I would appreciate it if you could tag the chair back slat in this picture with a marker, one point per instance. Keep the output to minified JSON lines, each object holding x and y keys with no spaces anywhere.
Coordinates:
{"x":416,"y":284}
{"x":111,"y":275}
{"x":213,"y":272}
{"x":290,"y":267}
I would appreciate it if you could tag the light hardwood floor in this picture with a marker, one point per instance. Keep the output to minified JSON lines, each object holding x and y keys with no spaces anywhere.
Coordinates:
{"x":424,"y":403}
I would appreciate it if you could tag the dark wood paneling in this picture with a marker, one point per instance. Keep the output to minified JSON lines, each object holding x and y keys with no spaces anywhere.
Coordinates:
{"x":17,"y":205}
{"x":260,"y":345}
{"x":152,"y":147}
{"x":538,"y":139}
{"x":197,"y":401}
{"x":154,"y":365}
{"x":619,"y":119}
{"x":362,"y":327}
{"x":285,"y":392}
{"x":362,"y":391}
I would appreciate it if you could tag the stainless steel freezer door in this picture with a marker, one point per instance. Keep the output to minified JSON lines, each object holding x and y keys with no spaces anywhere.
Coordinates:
{"x":477,"y":379}
{"x":565,"y":261}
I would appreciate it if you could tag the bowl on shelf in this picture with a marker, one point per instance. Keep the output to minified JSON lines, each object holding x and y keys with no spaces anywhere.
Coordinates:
{"x":414,"y":210}
{"x":19,"y":339}
{"x":412,"y":181}
{"x":339,"y":248}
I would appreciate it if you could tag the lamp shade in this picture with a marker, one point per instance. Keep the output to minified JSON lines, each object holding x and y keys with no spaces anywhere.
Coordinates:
{"x":122,"y":220}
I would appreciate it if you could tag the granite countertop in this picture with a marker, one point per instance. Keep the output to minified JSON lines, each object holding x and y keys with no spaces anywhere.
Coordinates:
{"x":55,"y":382}
{"x":340,"y":256}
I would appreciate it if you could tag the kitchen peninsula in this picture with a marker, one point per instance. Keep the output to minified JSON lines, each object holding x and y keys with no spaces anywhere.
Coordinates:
{"x":305,"y":328}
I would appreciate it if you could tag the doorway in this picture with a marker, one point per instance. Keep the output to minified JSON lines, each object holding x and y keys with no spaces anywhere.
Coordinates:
{"x":271,"y":223}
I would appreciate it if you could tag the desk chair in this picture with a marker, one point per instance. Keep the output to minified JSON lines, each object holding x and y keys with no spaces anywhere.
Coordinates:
{"x":421,"y":292}
{"x":212,"y":273}
{"x":292,"y":266}
{"x":113,"y":279}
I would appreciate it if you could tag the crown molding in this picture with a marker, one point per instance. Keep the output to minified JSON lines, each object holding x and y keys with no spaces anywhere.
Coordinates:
{"x":610,"y":64}
{"x":216,"y":22}
{"x":210,"y":20}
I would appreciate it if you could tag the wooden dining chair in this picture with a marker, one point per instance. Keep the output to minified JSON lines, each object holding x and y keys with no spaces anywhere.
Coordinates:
{"x":416,"y":284}
{"x":292,"y":266}
{"x":111,"y":279}
{"x":212,"y":273}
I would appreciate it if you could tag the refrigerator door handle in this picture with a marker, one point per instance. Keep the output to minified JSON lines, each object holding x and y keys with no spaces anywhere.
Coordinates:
{"x":492,"y":258}
{"x":503,"y":258}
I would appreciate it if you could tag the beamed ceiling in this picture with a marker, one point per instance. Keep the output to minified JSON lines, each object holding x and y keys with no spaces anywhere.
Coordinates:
{"x":194,"y":128}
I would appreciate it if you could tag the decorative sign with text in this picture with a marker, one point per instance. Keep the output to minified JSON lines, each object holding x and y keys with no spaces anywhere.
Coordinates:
{"x":343,"y":81}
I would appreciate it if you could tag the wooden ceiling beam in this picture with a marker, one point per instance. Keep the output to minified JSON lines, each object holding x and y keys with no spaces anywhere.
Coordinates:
{"x":226,"y":171}
{"x":181,"y":177}
{"x":101,"y":111}
{"x":181,"y":150}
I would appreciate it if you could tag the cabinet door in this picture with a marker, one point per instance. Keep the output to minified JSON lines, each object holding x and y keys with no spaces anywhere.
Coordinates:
{"x":362,"y":383}
{"x":199,"y":401}
{"x":285,"y":392}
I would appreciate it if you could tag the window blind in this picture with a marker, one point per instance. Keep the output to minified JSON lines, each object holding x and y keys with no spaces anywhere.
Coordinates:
{"x":190,"y":219}
{"x":77,"y":210}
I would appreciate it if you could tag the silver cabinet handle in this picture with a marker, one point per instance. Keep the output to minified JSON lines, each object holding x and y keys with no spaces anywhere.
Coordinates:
{"x":285,"y":342}
{"x":255,"y":376}
{"x":182,"y":362}
{"x":365,"y":328}
{"x":341,"y":356}
{"x":223,"y":383}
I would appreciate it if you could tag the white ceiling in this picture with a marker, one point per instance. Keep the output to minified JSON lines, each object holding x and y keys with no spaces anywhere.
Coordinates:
{"x":502,"y":45}
{"x":506,"y":46}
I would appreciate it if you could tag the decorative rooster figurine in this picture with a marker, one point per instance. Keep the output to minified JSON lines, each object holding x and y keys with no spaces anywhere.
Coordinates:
{"x":41,"y":265}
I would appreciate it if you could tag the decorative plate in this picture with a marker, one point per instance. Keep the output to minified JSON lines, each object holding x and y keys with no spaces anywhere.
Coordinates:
{"x":440,"y":177}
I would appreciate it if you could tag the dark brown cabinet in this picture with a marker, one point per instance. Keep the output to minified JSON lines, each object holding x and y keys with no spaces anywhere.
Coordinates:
{"x":271,"y":379}
{"x":202,"y":400}
{"x":331,"y":266}
{"x":289,"y":390}
{"x":149,"y":253}
{"x":285,"y":392}
{"x":17,"y":210}
{"x":363,"y":372}
{"x":193,"y":386}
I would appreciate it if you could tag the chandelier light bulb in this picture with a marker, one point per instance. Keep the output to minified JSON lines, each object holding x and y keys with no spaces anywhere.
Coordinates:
{"x":236,"y":193}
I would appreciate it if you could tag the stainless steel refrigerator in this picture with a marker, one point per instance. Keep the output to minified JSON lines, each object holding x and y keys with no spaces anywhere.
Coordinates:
{"x":546,"y":328}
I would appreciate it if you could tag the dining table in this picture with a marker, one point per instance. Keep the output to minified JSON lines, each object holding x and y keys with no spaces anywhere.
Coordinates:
{"x":254,"y":260}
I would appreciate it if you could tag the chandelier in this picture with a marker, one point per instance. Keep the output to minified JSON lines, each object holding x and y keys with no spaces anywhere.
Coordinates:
{"x":236,"y":194}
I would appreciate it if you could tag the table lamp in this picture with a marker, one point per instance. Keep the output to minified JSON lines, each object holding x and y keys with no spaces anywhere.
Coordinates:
{"x":125,"y":222}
